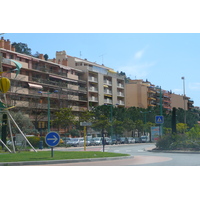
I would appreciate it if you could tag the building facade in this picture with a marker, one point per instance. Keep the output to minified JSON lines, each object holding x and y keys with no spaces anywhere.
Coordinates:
{"x":104,"y":85}
{"x":40,"y":80}
{"x":144,"y":94}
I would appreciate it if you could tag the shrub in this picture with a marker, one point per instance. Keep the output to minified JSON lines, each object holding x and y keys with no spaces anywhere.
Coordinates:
{"x":164,"y":142}
{"x":34,"y":141}
{"x":177,"y":142}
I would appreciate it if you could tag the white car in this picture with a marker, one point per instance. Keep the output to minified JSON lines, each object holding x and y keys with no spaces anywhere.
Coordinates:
{"x":76,"y":142}
{"x":97,"y":140}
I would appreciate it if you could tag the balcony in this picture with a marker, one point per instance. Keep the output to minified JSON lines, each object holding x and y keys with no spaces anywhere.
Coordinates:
{"x":19,"y":77}
{"x":107,"y":91}
{"x":107,"y":82}
{"x":94,"y":99}
{"x":93,"y":79}
{"x":121,"y":94}
{"x":120,"y":103}
{"x":93,"y":89}
{"x":120,"y":85}
{"x":107,"y":101}
{"x":19,"y":90}
{"x":20,"y":103}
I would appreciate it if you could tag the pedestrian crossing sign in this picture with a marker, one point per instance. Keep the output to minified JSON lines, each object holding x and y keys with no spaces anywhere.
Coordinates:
{"x":159,"y":119}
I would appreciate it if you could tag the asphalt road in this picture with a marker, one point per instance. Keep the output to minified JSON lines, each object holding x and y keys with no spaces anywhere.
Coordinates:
{"x":141,"y":157}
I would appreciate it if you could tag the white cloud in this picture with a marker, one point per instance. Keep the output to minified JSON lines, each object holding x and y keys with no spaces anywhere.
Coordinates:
{"x":138,"y":71}
{"x":177,"y":91}
{"x":139,"y":54}
{"x":194,"y":86}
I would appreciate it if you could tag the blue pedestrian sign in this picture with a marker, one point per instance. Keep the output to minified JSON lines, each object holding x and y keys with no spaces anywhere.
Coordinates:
{"x":159,"y":119}
{"x":52,"y":139}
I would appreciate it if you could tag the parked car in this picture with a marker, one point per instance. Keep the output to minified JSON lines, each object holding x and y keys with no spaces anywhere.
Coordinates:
{"x":97,"y":140}
{"x":88,"y":142}
{"x":92,"y":142}
{"x":122,"y":140}
{"x":144,"y":138}
{"x":65,"y":139}
{"x":76,"y":142}
{"x":137,"y":140}
{"x":108,"y":140}
{"x":130,"y":140}
{"x":115,"y":141}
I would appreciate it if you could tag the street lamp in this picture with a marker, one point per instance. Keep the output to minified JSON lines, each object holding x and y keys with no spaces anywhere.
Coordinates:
{"x":145,"y":119}
{"x":183,"y":78}
{"x":48,"y":114}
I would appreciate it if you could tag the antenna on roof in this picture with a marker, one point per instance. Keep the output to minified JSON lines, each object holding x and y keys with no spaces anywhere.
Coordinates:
{"x":102,"y":57}
{"x":80,"y":54}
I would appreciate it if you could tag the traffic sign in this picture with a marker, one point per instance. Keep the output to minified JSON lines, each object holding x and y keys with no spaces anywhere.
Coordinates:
{"x":52,"y":139}
{"x":159,"y":119}
{"x":85,"y":124}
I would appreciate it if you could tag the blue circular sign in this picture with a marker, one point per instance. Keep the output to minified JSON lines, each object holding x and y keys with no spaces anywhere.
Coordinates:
{"x":52,"y":139}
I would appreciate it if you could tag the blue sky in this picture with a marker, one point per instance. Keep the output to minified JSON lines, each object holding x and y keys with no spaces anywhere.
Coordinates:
{"x":161,"y":58}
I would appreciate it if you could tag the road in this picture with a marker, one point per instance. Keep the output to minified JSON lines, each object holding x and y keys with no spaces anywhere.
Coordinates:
{"x":141,"y":157}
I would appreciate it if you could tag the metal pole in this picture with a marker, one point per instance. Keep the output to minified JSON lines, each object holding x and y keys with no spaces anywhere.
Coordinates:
{"x":111,"y":119}
{"x":52,"y":152}
{"x":9,"y":125}
{"x":48,"y":113}
{"x":1,"y":59}
{"x":183,"y":78}
{"x":161,"y":111}
{"x":84,"y":138}
{"x":5,"y":146}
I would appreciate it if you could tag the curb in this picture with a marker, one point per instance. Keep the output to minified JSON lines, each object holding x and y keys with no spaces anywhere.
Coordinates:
{"x":24,"y":163}
{"x":175,"y":151}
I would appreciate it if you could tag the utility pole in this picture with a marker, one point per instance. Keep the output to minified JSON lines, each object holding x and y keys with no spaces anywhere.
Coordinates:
{"x":183,"y":78}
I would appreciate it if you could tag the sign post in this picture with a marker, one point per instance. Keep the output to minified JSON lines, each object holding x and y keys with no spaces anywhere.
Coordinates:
{"x":159,"y":120}
{"x":52,"y":139}
{"x":85,"y":124}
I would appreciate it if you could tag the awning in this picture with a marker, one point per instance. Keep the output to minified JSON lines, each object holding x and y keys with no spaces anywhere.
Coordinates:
{"x":35,"y":86}
{"x":64,"y":79}
{"x":112,"y":71}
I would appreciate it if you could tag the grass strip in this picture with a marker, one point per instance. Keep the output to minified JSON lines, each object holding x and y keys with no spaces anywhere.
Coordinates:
{"x":58,"y":155}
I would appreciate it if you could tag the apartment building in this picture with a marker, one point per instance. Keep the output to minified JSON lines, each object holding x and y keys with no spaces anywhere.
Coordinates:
{"x":104,"y":85}
{"x":40,"y":80}
{"x":143,"y":94}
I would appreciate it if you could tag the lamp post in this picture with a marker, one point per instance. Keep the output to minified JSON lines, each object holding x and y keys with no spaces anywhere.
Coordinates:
{"x":145,"y":119}
{"x":183,"y":78}
{"x":48,"y":113}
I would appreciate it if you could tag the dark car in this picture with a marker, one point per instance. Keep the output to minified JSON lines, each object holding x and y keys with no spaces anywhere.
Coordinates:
{"x":108,"y":140}
{"x":137,"y":140}
{"x":122,"y":140}
{"x":92,"y":142}
{"x":115,"y":140}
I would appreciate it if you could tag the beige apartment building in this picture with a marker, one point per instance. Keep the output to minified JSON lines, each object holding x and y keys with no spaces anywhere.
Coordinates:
{"x":40,"y":80}
{"x":104,"y":85}
{"x":144,"y":94}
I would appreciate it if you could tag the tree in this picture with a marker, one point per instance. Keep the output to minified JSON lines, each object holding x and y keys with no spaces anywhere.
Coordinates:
{"x":22,"y":48}
{"x":23,"y":122}
{"x":139,"y":125}
{"x":65,"y":118}
{"x":100,"y":120}
{"x":181,"y":127}
{"x":194,"y":132}
{"x":46,"y":56}
{"x":36,"y":55}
